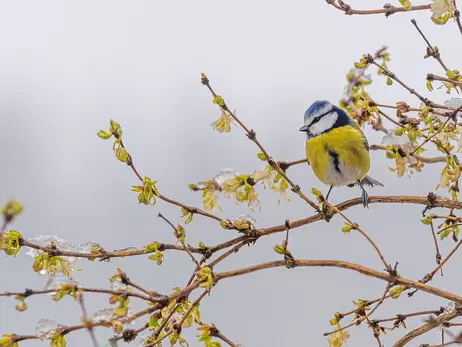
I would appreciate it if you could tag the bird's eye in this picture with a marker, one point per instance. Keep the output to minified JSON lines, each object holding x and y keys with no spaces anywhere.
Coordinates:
{"x":315,"y":121}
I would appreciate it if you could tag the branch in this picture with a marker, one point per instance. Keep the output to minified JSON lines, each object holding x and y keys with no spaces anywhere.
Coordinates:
{"x":177,"y":233}
{"x":253,"y":137}
{"x":457,"y":17}
{"x":402,"y":317}
{"x":345,"y":265}
{"x":166,"y":199}
{"x":30,"y":292}
{"x":431,"y":49}
{"x":430,"y":201}
{"x":432,"y":77}
{"x":86,"y":321}
{"x":387,"y":9}
{"x":362,"y":319}
{"x":432,"y":273}
{"x":426,"y":328}
{"x":390,"y":74}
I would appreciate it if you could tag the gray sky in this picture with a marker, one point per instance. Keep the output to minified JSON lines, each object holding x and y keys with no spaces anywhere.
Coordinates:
{"x":66,"y":68}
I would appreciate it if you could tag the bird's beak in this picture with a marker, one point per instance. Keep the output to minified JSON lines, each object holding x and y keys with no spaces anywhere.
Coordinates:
{"x":304,"y":128}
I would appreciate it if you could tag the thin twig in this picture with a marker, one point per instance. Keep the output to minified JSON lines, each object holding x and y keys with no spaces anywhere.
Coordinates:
{"x":166,"y":199}
{"x":253,"y":137}
{"x":457,"y":17}
{"x":426,"y":328}
{"x":225,"y":339}
{"x":177,"y":233}
{"x":387,"y":10}
{"x":390,"y":74}
{"x":402,"y":317}
{"x":431,"y":49}
{"x":362,"y":319}
{"x":30,"y":292}
{"x":432,"y":273}
{"x":438,"y":254}
{"x":344,"y":265}
{"x":85,"y":319}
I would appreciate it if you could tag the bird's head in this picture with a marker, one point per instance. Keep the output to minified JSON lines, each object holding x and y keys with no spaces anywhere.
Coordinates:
{"x":320,"y":117}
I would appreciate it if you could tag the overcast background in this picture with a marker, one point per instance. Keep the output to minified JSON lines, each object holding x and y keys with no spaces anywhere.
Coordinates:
{"x":66,"y":68}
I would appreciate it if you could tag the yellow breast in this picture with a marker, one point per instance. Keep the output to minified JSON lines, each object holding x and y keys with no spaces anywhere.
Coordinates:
{"x":339,"y":156}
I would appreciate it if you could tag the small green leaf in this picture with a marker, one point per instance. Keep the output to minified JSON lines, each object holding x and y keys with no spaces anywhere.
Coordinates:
{"x":104,"y":134}
{"x":389,"y":81}
{"x":262,"y":156}
{"x":429,"y":85}
{"x":217,"y":99}
{"x":427,"y":220}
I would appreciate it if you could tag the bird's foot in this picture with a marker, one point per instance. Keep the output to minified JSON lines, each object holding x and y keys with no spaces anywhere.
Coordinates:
{"x":365,"y":198}
{"x":326,"y":211}
{"x":324,"y":208}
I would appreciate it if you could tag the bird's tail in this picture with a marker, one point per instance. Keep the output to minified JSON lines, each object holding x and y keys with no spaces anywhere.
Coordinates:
{"x":369,"y":181}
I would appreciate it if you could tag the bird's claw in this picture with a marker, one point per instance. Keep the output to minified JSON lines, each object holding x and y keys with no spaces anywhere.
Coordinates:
{"x":365,"y":198}
{"x":324,"y":208}
{"x":326,"y":212}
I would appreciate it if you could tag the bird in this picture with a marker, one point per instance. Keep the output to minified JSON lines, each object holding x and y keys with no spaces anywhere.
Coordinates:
{"x":337,"y":149}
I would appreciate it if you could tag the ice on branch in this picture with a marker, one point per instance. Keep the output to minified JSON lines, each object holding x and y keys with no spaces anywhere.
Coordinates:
{"x":45,"y":328}
{"x":106,"y":314}
{"x":56,"y":280}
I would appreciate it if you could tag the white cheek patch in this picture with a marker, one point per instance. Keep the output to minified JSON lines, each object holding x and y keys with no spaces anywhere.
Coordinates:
{"x":325,"y":123}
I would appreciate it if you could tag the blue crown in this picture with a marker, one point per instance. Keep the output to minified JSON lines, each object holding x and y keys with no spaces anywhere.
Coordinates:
{"x":318,"y":108}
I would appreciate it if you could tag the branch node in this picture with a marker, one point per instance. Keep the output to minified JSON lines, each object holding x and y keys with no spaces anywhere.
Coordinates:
{"x":252,"y":135}
{"x":296,"y":189}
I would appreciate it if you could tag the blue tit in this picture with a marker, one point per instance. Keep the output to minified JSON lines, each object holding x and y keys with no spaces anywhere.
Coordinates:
{"x":337,"y":149}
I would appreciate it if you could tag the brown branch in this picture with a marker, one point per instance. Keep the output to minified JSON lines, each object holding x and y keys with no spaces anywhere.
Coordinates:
{"x":156,"y":342}
{"x":438,"y":253}
{"x":431,"y":49}
{"x":68,"y":329}
{"x":432,"y":273}
{"x":402,"y":317}
{"x":173,"y":296}
{"x":410,"y":109}
{"x":253,"y":137}
{"x":30,"y":292}
{"x":429,"y":138}
{"x":177,"y":233}
{"x":387,"y":9}
{"x":85,"y":319}
{"x":390,"y":74}
{"x":284,"y":165}
{"x":426,"y":328}
{"x":345,"y":265}
{"x":194,"y":304}
{"x":457,"y":17}
{"x":362,"y":319}
{"x":166,"y":199}
{"x":216,"y":333}
{"x":432,"y":77}
{"x":427,"y":160}
{"x":106,"y":255}
{"x":431,"y":200}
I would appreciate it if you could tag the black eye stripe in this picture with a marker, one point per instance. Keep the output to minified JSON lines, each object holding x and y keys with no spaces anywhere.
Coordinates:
{"x":317,"y":119}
